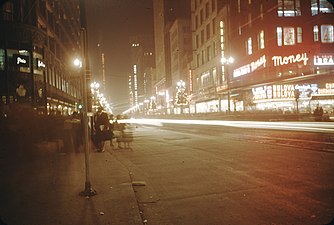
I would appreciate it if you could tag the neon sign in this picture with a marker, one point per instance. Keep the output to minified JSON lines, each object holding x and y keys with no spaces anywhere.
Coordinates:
{"x":328,"y":90}
{"x":283,"y":91}
{"x":250,"y":67}
{"x":323,"y":60}
{"x":40,"y":64}
{"x":284,"y":60}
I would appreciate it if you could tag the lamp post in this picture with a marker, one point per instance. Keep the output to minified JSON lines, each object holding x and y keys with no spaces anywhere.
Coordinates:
{"x":84,"y":120}
{"x":226,"y":62}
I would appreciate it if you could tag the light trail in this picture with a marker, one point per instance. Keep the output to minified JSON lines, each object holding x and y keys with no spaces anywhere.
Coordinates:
{"x":293,"y":126}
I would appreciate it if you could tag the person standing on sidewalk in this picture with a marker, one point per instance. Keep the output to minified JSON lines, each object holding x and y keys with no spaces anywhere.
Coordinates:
{"x":102,"y":129}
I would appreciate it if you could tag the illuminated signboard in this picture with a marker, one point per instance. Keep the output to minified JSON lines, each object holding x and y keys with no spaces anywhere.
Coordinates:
{"x":306,"y":90}
{"x":264,"y":92}
{"x":40,"y":64}
{"x":274,"y":92}
{"x":328,"y":90}
{"x":325,"y":60}
{"x":21,"y":60}
{"x":283,"y":91}
{"x":250,"y":67}
{"x":135,"y":81}
{"x":284,"y":60}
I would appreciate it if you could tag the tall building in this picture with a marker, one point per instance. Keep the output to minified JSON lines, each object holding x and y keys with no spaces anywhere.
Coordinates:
{"x":140,"y":86}
{"x":181,"y":56}
{"x":164,"y":15}
{"x":282,"y":50}
{"x":209,"y":44}
{"x":38,"y":43}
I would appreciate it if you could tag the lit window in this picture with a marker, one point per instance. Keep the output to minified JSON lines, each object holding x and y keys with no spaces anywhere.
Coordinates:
{"x":2,"y":59}
{"x":279,"y":36}
{"x":299,"y":35}
{"x":315,"y":33}
{"x":288,"y":8}
{"x":261,"y":39}
{"x":321,"y":6}
{"x":289,"y":35}
{"x":327,"y":34}
{"x":249,"y":46}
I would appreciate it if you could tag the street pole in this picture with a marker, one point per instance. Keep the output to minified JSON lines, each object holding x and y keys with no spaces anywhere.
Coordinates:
{"x":228,"y":89}
{"x":89,"y":191}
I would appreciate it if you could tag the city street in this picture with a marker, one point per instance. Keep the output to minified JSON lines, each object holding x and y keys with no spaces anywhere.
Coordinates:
{"x":176,"y":175}
{"x":219,"y":175}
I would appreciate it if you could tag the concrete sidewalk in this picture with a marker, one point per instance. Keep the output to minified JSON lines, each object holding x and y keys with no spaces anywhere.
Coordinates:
{"x":41,"y":186}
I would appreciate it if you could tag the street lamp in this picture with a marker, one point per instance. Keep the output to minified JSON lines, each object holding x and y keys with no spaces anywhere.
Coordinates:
{"x":226,"y":62}
{"x":88,"y":188}
{"x":180,"y":95}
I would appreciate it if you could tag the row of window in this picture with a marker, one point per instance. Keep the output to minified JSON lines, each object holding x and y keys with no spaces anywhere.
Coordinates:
{"x":19,"y":60}
{"x":210,"y":30}
{"x":286,"y":36}
{"x":293,"y":35}
{"x":199,"y":19}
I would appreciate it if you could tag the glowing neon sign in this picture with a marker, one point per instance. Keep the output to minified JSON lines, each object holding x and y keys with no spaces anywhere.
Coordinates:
{"x":325,"y":60}
{"x":284,"y":60}
{"x":250,"y":67}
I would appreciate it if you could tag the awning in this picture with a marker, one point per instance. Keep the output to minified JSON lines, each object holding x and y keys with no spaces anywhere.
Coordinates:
{"x":322,"y":97}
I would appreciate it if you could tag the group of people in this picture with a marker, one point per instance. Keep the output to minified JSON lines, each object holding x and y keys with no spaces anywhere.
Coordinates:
{"x":318,"y":113}
{"x":108,"y":129}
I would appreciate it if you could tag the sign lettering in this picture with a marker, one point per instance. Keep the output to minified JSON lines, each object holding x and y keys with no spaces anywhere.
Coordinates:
{"x":283,"y":91}
{"x":280,"y":60}
{"x":40,"y":64}
{"x":323,"y":60}
{"x":20,"y":60}
{"x":250,"y":67}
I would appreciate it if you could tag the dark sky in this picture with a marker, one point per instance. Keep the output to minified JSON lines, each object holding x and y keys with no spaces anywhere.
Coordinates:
{"x":111,"y":23}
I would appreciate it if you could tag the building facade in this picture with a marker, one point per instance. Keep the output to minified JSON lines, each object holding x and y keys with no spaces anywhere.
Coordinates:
{"x":282,"y":55}
{"x":181,"y":56}
{"x":39,"y":40}
{"x":140,"y":81}
{"x":165,"y":13}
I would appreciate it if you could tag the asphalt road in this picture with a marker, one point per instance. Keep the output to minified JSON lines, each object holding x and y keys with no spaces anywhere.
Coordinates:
{"x":210,"y":175}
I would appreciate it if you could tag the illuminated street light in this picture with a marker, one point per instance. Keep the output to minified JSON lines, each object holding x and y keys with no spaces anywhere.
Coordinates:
{"x":180,"y":94}
{"x":226,"y":62}
{"x":77,"y":63}
{"x":88,"y":189}
{"x":95,"y":85}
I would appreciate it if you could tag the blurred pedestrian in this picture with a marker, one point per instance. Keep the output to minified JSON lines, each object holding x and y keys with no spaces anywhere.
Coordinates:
{"x":102,"y":129}
{"x":318,"y":112}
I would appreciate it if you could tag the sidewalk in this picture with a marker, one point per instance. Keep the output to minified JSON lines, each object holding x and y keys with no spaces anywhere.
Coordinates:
{"x":41,"y":186}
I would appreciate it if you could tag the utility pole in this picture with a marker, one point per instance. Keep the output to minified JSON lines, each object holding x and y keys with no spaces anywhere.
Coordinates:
{"x":89,"y":191}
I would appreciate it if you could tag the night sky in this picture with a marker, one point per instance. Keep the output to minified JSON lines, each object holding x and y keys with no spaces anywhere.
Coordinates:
{"x":110,"y":24}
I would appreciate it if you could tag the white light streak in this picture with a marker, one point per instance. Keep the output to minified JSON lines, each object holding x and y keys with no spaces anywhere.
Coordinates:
{"x":294,"y":126}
